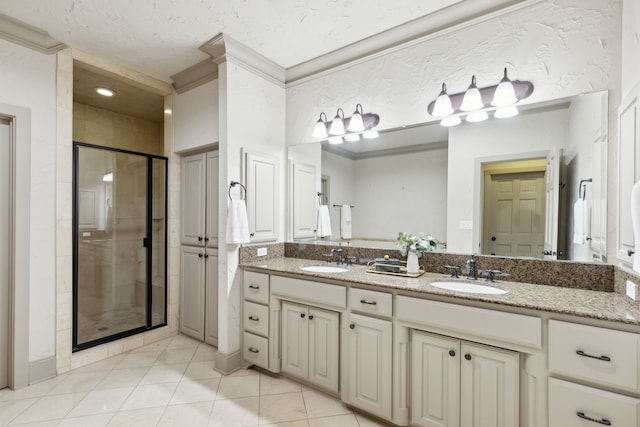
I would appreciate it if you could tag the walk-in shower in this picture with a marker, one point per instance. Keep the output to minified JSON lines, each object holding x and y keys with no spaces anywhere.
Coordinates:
{"x":119,"y":244}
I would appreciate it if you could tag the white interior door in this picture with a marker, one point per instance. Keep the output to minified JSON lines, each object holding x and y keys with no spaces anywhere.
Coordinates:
{"x":5,"y":157}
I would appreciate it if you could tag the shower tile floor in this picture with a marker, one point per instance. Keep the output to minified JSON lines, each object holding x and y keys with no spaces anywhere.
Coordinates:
{"x":112,"y":322}
{"x":171,"y":383}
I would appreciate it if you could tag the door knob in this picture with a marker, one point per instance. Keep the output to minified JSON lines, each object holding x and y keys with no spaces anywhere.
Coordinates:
{"x":493,"y":238}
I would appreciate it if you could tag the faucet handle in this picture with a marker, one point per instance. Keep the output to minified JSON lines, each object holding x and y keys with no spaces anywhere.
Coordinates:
{"x":453,"y":269}
{"x":351,"y":260}
{"x":490,"y":274}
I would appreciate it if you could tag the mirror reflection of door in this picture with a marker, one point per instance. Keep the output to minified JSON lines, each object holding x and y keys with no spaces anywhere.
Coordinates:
{"x":5,"y":203}
{"x":514,"y":208}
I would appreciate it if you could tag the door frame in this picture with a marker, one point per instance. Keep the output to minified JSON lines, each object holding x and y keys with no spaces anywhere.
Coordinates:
{"x":478,"y":188}
{"x":19,"y":248}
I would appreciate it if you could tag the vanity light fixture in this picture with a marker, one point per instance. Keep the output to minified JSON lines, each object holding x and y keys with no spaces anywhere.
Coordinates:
{"x":370,"y":134}
{"x":335,"y":140}
{"x":108,"y":176}
{"x":349,"y":127}
{"x":501,"y":97}
{"x":105,"y":91}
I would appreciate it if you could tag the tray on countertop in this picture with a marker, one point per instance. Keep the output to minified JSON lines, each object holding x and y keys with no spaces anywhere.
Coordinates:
{"x":372,"y":267}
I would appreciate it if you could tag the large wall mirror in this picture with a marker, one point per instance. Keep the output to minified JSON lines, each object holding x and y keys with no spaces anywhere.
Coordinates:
{"x":533,"y":185}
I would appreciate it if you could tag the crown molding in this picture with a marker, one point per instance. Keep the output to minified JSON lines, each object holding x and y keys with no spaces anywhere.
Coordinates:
{"x":26,"y":35}
{"x":194,"y":76}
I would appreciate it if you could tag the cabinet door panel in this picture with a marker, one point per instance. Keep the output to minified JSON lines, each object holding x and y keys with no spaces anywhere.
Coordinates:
{"x":262,"y":196}
{"x":192,"y":297}
{"x":489,"y":386}
{"x":369,"y":364}
{"x":627,"y":174}
{"x":192,"y":220}
{"x":211,"y":234}
{"x":303,"y":183}
{"x":295,"y":337}
{"x":324,"y":332}
{"x":211,"y":295}
{"x":435,"y":380}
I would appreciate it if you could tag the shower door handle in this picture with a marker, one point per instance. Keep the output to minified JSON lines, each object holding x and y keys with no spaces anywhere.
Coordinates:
{"x":146,"y":242}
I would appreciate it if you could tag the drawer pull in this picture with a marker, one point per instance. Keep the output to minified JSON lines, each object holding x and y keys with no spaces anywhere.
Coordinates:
{"x":583,"y":354}
{"x":254,"y":318}
{"x":364,"y":301}
{"x":256,"y":287}
{"x":254,"y":350}
{"x":603,"y":421}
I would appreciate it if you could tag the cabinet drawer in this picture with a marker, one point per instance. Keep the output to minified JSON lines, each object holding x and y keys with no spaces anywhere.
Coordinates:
{"x":471,"y":322}
{"x":309,"y":292}
{"x":370,"y":301}
{"x":594,"y":354}
{"x":256,"y":318}
{"x":256,"y":350}
{"x":573,"y":405}
{"x":256,"y":287}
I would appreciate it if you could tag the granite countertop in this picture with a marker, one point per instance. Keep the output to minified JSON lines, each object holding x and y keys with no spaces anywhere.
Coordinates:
{"x":608,"y":306}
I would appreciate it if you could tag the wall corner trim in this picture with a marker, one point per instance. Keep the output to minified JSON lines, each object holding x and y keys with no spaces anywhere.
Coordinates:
{"x":194,"y":76}
{"x":227,"y":363}
{"x":42,"y":369}
{"x":28,"y":36}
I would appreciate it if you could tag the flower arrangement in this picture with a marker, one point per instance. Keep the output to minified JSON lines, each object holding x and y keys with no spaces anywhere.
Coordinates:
{"x":418,"y":244}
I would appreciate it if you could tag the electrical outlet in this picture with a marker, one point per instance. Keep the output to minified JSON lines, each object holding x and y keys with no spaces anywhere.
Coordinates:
{"x":631,"y":290}
{"x":262,"y":251}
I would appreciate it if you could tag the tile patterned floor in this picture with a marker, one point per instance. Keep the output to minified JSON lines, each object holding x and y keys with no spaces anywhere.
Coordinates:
{"x":171,"y":383}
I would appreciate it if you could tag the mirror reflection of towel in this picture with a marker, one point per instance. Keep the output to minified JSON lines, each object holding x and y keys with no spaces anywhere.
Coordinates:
{"x":581,"y":221}
{"x":635,"y":222}
{"x":345,"y":222}
{"x":324,"y":221}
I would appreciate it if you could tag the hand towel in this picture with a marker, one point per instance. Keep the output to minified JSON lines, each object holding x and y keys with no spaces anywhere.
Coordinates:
{"x":324,"y":221}
{"x":237,"y":223}
{"x":345,"y":222}
{"x":635,"y":222}
{"x":581,"y":221}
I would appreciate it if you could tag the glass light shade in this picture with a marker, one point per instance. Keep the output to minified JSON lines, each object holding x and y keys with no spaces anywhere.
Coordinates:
{"x":450,"y":121}
{"x":477,"y":116}
{"x":107,"y":177}
{"x":505,"y":93}
{"x":320,"y":129}
{"x":337,"y":125}
{"x":355,"y":123}
{"x":370,"y":134}
{"x":335,"y":140}
{"x":506,"y":112}
{"x":352,"y":137}
{"x":442,"y":107}
{"x":472,"y":99}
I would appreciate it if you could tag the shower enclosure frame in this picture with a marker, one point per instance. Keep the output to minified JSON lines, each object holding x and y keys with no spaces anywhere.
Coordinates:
{"x":147,"y":243}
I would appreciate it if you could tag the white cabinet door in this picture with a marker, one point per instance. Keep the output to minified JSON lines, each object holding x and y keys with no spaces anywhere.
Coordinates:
{"x":295,"y":338}
{"x":305,"y":200}
{"x":211,"y":237}
{"x":192,"y":220}
{"x":489,"y":384}
{"x":262,"y":196}
{"x":192,"y":293}
{"x":435,"y":380}
{"x":324,"y":334}
{"x":369,"y":364}
{"x":628,"y":163}
{"x":211,"y":296}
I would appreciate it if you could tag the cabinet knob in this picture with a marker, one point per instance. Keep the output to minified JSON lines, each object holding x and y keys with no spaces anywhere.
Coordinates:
{"x":206,"y":256}
{"x":311,"y":317}
{"x":452,"y":353}
{"x":302,"y":315}
{"x":467,"y":356}
{"x":256,"y":287}
{"x":630,"y":252}
{"x":252,"y":234}
{"x":200,"y":255}
{"x":254,"y":350}
{"x":206,"y":239}
{"x":352,"y":326}
{"x":254,"y":318}
{"x":199,"y":238}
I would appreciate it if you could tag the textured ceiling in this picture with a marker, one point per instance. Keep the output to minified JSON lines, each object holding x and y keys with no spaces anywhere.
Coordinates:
{"x":161,"y":37}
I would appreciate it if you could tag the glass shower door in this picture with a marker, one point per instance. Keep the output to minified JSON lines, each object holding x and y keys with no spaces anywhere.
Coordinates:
{"x":119,"y":217}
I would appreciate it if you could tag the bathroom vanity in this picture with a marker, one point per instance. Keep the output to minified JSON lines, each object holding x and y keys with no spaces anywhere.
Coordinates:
{"x":413,"y":354}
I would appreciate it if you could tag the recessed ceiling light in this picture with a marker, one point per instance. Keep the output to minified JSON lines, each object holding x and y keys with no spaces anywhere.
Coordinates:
{"x":167,"y":111}
{"x":104,"y":91}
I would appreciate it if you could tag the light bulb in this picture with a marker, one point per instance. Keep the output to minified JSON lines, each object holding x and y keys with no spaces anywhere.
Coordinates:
{"x":370,"y":134}
{"x":355,"y":123}
{"x":477,"y":116}
{"x":442,"y":107}
{"x":472,"y":99}
{"x":450,"y":121}
{"x":337,"y":125}
{"x":352,"y":137}
{"x":506,"y":112}
{"x":505,"y":93}
{"x":320,"y":129}
{"x":334,"y":140}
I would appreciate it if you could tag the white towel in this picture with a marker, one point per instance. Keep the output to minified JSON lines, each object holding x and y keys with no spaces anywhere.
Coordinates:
{"x":324,"y":221}
{"x":635,"y":221}
{"x":581,"y":221}
{"x":237,"y":223}
{"x":345,"y":222}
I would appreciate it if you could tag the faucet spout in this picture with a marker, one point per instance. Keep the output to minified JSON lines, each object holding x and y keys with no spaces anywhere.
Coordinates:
{"x":471,"y":269}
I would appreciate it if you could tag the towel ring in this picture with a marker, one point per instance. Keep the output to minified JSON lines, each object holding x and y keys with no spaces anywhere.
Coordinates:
{"x":233,"y":184}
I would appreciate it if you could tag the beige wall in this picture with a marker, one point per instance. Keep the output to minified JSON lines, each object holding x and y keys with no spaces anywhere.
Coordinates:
{"x":102,"y":127}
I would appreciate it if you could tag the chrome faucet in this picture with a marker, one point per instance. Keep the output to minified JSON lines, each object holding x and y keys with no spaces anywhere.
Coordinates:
{"x":471,"y":269}
{"x":339,"y":253}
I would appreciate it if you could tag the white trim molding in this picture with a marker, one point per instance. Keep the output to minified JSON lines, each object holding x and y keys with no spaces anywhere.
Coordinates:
{"x":28,"y":36}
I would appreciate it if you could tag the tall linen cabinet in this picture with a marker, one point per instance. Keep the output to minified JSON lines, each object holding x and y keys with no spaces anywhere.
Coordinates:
{"x":199,"y":253}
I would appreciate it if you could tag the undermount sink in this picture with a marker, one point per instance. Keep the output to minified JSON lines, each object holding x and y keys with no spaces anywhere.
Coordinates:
{"x":324,"y":269}
{"x":471,"y":288}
